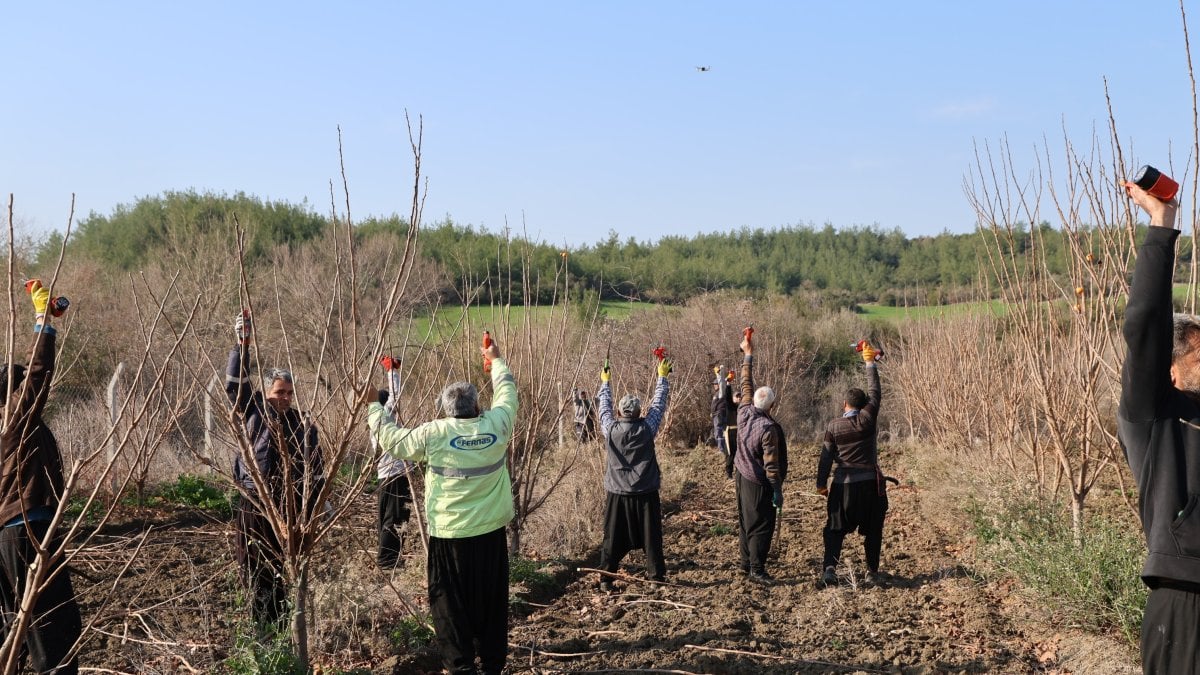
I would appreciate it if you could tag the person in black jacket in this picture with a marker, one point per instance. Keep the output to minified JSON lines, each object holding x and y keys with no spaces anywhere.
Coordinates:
{"x":31,"y":483}
{"x":1158,"y":423}
{"x":287,"y":464}
{"x":723,"y":412}
{"x":857,"y":498}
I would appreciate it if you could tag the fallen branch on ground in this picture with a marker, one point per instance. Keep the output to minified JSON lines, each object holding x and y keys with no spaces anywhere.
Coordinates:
{"x":825,"y":664}
{"x":626,"y":577}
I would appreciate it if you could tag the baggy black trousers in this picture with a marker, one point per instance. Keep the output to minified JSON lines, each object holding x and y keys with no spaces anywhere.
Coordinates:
{"x":633,"y":522}
{"x":56,"y":623}
{"x":468,"y":597}
{"x":1170,"y":638}
{"x":855,"y":506}
{"x":260,"y":559}
{"x":395,"y":508}
{"x":756,"y":523}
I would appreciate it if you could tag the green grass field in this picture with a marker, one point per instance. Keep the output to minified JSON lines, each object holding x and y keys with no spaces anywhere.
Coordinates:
{"x":452,"y":319}
{"x":897,"y":314}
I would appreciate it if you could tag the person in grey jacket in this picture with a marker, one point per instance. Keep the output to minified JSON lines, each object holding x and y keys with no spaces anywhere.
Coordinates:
{"x":1158,"y":423}
{"x":632,"y":511}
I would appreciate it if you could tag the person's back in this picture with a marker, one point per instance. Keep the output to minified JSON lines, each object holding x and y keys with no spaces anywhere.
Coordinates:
{"x":468,"y":503}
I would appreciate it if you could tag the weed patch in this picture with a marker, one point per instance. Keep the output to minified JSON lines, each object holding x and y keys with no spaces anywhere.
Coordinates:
{"x":1095,"y":583}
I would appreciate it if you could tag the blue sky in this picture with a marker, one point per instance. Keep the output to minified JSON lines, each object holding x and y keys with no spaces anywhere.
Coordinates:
{"x":571,"y":119}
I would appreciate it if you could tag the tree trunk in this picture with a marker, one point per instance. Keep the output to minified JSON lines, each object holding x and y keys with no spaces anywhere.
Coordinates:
{"x":1077,"y":517}
{"x":300,"y":617}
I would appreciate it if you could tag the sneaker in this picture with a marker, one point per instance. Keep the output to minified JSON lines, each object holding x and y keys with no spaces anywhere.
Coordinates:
{"x":761,"y":577}
{"x":871,"y":578}
{"x":829,"y":578}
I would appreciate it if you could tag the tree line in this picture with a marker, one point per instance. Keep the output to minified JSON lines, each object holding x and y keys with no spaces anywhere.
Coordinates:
{"x":836,"y":266}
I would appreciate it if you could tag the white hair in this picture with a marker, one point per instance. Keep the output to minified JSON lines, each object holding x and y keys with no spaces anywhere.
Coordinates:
{"x":764,"y":398}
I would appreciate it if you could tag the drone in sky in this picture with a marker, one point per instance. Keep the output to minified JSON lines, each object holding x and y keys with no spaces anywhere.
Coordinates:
{"x":703,"y":69}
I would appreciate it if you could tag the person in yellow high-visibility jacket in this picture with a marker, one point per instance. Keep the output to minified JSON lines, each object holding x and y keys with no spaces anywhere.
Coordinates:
{"x":468,"y":502}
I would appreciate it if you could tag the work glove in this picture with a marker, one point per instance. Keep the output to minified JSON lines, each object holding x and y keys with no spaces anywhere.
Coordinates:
{"x":389,"y":362}
{"x":381,"y":396}
{"x":664,"y":367}
{"x":868,"y":353}
{"x":777,"y":498}
{"x":605,"y":371}
{"x":242,"y":326}
{"x":729,"y":471}
{"x":39,"y":294}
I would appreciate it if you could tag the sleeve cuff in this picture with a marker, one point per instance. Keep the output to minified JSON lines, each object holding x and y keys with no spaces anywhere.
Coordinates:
{"x":43,"y":328}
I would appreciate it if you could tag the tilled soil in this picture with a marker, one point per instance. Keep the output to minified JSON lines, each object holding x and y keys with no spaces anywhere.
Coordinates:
{"x":176,"y":608}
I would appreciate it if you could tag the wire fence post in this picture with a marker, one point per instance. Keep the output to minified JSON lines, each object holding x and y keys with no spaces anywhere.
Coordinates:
{"x":114,"y":413}
{"x":209,"y":420}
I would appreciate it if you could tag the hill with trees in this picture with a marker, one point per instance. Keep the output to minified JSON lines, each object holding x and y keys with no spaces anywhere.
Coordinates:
{"x":830,"y":266}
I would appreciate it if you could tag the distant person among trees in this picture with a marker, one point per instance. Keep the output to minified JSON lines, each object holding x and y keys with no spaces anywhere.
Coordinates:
{"x":585,"y":421}
{"x":395,"y":495}
{"x":1158,"y":423}
{"x":762,"y":465}
{"x":857,"y":498}
{"x":285,"y":458}
{"x":31,"y":483}
{"x":632,"y":510}
{"x":468,"y":502}
{"x":722,"y":412}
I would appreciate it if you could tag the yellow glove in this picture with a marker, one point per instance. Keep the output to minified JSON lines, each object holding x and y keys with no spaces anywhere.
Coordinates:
{"x":664,"y":367}
{"x":605,"y":371}
{"x":717,"y":371}
{"x":39,"y":294}
{"x":868,"y":353}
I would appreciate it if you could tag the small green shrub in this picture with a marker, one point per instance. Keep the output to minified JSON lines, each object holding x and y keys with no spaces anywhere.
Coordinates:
{"x":1096,"y":584}
{"x":198,"y":493}
{"x":528,"y":572}
{"x":720,"y":530}
{"x":255,"y":653}
{"x":411,"y":634}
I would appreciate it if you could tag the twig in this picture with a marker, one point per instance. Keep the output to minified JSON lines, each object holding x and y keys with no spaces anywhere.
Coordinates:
{"x":661,"y":602}
{"x":597,"y":633}
{"x":553,"y":655}
{"x":626,"y":577}
{"x":826,"y":664}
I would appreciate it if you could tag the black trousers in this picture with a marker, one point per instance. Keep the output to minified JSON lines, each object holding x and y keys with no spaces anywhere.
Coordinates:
{"x":56,"y":624}
{"x":395,"y":508}
{"x":261,"y":561}
{"x":1170,"y":639}
{"x":855,"y":506}
{"x":756,"y":523}
{"x":633,"y":522}
{"x":468,"y":597}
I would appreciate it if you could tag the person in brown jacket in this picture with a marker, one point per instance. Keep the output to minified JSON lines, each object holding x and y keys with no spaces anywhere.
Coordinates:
{"x":857,"y":498}
{"x":31,"y":482}
{"x":762,"y":465}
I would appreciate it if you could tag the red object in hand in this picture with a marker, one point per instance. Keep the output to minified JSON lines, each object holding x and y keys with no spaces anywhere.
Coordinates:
{"x":389,"y":362}
{"x":858,"y":347}
{"x":487,"y":342}
{"x":58,"y":305}
{"x":660,"y":352}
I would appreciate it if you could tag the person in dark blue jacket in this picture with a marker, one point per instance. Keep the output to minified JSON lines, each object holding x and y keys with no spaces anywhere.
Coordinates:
{"x":279,"y":473}
{"x":1158,"y":423}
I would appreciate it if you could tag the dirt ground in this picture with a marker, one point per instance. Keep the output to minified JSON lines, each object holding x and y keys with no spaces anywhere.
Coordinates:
{"x":176,"y":609}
